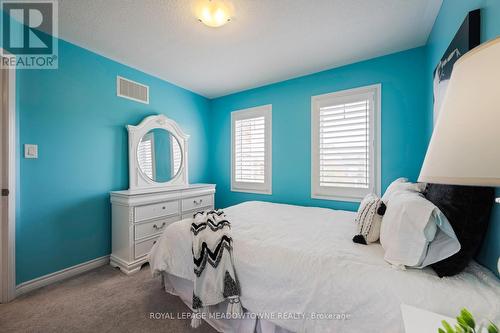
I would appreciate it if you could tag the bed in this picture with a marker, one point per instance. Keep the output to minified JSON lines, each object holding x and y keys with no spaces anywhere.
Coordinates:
{"x":299,"y":271}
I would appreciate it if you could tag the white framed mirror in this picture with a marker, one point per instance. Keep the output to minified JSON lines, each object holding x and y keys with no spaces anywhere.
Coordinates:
{"x":157,"y":154}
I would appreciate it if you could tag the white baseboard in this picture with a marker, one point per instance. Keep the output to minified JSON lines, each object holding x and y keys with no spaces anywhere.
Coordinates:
{"x":63,"y":274}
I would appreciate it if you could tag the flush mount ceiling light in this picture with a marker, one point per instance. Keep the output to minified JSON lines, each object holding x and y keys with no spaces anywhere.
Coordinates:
{"x":213,"y":13}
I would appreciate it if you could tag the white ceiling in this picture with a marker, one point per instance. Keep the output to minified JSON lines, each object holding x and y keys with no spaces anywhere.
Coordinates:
{"x":267,"y":41}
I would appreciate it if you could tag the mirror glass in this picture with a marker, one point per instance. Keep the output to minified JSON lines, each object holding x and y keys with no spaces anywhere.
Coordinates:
{"x":159,"y":155}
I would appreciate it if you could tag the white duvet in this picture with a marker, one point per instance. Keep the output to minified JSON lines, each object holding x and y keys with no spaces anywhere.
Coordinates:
{"x":301,"y":260}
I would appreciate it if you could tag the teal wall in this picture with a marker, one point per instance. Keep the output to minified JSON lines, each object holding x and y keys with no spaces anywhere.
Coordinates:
{"x":74,"y":116}
{"x":450,"y":18}
{"x":404,"y":126}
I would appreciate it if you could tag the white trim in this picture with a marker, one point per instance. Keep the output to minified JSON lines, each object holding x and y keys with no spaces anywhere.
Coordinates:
{"x":335,"y":198}
{"x":497,"y":200}
{"x":250,"y":190}
{"x":61,"y":275}
{"x":375,"y":92}
{"x":259,"y":188}
{"x":8,"y":242}
{"x":132,"y":267}
{"x":119,"y":94}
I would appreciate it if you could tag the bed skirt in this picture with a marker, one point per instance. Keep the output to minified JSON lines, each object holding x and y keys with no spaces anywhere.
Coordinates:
{"x":251,"y":323}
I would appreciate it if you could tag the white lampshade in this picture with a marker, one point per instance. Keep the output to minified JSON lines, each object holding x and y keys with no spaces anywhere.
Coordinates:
{"x":465,"y":145}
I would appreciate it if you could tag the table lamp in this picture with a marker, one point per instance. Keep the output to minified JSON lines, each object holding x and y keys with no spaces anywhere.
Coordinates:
{"x":465,"y":145}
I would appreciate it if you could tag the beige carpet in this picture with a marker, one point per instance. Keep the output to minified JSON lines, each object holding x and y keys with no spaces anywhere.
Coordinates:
{"x":102,"y":300}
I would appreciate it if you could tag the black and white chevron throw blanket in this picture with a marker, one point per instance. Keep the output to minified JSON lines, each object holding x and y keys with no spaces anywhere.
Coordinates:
{"x":215,"y":279}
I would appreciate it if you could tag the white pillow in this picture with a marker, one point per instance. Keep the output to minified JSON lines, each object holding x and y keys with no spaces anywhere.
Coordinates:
{"x":445,"y":242}
{"x":414,"y":232}
{"x":402,"y":184}
{"x":368,"y":220}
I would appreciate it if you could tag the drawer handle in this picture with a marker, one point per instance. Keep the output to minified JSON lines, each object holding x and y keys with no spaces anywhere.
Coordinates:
{"x":159,"y":227}
{"x":163,"y":207}
{"x":198,"y":202}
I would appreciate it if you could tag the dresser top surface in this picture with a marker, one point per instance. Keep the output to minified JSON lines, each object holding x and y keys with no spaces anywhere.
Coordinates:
{"x":159,"y":190}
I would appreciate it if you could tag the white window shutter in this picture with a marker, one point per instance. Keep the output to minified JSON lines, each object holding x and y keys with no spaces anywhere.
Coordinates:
{"x":176,"y":156}
{"x":249,"y":140}
{"x":345,"y":144}
{"x":145,"y":156}
{"x":344,"y":148}
{"x":251,"y":150}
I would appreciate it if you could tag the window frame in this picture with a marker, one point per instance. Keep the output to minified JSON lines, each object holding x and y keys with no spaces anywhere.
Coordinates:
{"x":345,"y":96}
{"x":250,"y":187}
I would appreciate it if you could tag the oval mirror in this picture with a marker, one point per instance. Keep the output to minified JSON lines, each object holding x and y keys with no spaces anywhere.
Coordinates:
{"x":159,"y":155}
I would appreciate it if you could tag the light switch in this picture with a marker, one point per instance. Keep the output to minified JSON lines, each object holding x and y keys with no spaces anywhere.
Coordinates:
{"x":30,"y":151}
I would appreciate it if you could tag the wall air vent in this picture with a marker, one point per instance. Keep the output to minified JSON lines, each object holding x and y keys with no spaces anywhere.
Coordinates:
{"x":132,"y":90}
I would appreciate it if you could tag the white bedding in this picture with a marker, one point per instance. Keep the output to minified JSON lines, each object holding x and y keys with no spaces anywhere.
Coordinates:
{"x":292,"y":259}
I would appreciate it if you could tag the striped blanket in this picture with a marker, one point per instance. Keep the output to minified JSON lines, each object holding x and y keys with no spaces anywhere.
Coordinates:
{"x":215,"y":279}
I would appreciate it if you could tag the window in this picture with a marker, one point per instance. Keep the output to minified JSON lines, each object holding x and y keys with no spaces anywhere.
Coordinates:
{"x":251,"y":145}
{"x":145,"y":155}
{"x":346,"y":144}
{"x":176,"y":157}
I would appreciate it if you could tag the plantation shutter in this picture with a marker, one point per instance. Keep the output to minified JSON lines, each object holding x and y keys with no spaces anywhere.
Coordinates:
{"x":344,"y":152}
{"x":249,"y":150}
{"x":176,"y":156}
{"x":145,"y":156}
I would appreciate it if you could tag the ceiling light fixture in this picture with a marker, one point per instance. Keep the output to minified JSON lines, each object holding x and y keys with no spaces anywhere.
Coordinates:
{"x":213,"y":13}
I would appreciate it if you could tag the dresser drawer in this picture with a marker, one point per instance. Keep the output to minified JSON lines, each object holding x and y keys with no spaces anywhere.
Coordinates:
{"x":156,"y":210}
{"x":143,"y":248}
{"x":144,"y":230}
{"x":197,"y":202}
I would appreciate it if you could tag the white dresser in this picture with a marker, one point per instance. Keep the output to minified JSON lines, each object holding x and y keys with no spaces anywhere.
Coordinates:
{"x":140,"y":216}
